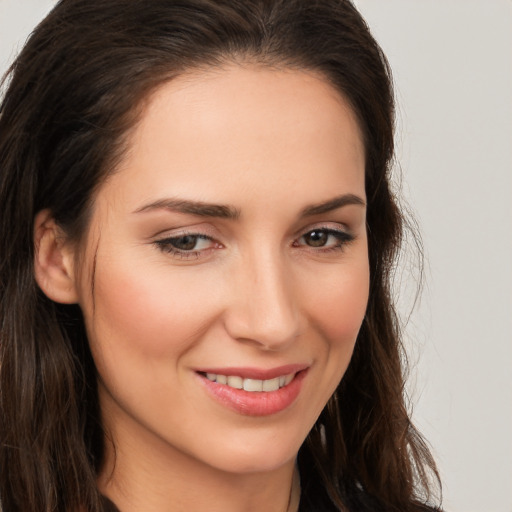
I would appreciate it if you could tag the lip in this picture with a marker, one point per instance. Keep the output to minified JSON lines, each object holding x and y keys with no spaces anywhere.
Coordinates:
{"x":264,"y":403}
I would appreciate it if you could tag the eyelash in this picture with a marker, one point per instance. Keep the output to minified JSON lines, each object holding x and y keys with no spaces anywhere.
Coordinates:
{"x":166,"y":244}
{"x":342,"y":239}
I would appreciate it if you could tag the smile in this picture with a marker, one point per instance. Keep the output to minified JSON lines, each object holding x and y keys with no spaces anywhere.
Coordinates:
{"x":254,"y":391}
{"x":251,"y":385}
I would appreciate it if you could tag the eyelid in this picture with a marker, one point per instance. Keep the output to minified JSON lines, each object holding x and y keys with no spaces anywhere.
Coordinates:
{"x":337,"y":227}
{"x":196,"y":229}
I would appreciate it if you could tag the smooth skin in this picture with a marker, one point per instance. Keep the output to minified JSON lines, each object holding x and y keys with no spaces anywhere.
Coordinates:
{"x":274,"y":271}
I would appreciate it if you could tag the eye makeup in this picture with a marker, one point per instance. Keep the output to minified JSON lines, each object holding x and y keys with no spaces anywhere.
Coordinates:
{"x":191,"y":245}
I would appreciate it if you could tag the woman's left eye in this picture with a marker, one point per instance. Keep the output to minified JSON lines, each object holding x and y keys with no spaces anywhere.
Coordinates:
{"x":185,"y":246}
{"x":325,"y":238}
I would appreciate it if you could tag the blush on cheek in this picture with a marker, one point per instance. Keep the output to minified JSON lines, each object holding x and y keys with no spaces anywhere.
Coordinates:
{"x":340,"y":306}
{"x":347,"y":317}
{"x":147,"y":314}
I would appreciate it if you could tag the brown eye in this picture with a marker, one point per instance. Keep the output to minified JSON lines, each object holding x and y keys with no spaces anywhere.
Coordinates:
{"x":325,"y":239}
{"x":185,"y":243}
{"x":316,"y":238}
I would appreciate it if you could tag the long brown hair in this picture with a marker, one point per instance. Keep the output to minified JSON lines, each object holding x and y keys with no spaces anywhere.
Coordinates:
{"x":70,"y":99}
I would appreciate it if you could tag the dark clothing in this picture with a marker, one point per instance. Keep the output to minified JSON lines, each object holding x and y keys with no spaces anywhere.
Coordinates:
{"x":312,"y":504}
{"x":108,"y":506}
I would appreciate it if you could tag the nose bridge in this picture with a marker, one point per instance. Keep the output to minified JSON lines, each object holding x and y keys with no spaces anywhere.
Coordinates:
{"x":264,"y":309}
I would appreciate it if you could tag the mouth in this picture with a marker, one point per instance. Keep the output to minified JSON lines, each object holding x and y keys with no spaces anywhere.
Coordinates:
{"x":251,"y":385}
{"x":254,"y":392}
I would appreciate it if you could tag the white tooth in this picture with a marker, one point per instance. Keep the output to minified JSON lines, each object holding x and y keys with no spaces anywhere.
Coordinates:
{"x":235,"y":382}
{"x":271,"y":384}
{"x":253,"y":385}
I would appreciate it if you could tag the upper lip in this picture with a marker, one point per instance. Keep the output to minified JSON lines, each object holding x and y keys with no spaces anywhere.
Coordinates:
{"x":247,"y":372}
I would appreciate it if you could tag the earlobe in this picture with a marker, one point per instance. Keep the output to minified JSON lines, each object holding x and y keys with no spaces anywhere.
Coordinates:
{"x":53,"y":260}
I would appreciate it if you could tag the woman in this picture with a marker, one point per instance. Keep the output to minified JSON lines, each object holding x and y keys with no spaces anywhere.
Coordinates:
{"x":197,"y":237}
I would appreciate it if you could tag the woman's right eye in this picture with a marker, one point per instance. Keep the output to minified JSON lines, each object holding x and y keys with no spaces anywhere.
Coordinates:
{"x":186,"y":246}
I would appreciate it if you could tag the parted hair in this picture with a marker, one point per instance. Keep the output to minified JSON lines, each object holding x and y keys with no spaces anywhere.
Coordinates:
{"x":69,"y":101}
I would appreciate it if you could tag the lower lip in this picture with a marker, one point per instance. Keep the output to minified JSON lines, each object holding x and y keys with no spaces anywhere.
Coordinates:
{"x":258,"y":403}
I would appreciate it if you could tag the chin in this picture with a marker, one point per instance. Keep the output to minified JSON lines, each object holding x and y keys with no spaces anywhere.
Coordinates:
{"x":262,"y":455}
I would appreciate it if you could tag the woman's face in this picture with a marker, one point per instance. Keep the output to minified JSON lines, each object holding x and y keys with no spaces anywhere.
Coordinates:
{"x":228,"y":250}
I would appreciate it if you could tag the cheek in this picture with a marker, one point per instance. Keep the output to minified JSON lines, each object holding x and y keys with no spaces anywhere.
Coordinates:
{"x":151,"y":313}
{"x":338,"y":304}
{"x":337,"y":309}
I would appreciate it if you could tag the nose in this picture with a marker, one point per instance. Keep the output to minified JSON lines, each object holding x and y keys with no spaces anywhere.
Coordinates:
{"x":263,"y":309}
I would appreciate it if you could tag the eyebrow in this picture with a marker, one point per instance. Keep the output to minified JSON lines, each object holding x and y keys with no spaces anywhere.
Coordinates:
{"x":202,"y":209}
{"x":198,"y":208}
{"x":332,"y":204}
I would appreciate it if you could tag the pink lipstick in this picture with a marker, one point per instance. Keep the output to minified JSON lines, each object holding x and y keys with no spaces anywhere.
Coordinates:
{"x":254,"y":391}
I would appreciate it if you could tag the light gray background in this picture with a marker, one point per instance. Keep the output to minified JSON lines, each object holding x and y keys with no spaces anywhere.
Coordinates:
{"x":452,"y":62}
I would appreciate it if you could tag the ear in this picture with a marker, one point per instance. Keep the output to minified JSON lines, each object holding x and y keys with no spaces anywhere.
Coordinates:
{"x":53,"y":260}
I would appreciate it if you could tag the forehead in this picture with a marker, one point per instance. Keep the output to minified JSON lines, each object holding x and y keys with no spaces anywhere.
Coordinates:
{"x":245,"y":127}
